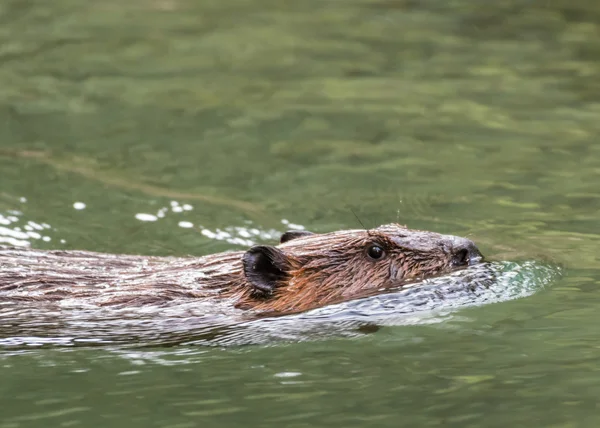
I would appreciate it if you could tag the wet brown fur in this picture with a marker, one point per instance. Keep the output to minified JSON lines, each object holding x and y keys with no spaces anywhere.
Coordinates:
{"x":323,"y":268}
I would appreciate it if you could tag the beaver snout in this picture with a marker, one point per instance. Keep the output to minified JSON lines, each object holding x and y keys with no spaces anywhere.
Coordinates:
{"x":464,"y":252}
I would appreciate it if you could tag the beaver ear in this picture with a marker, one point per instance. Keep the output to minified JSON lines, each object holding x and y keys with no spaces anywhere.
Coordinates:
{"x":265,"y":267}
{"x":293,"y":234}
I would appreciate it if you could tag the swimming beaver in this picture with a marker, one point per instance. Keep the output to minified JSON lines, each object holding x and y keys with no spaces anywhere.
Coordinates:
{"x":305,"y":271}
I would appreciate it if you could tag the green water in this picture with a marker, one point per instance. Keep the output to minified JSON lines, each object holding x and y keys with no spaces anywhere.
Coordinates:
{"x":474,"y":118}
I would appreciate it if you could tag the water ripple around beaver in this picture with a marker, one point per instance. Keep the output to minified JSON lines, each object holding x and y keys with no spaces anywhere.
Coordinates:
{"x":429,"y":301}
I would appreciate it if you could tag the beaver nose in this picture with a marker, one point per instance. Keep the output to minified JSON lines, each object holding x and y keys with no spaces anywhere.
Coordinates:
{"x":465,"y":252}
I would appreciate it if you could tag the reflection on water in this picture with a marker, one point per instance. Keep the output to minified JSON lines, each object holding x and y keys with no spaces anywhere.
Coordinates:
{"x":16,"y":231}
{"x":246,"y":236}
{"x":236,"y":235}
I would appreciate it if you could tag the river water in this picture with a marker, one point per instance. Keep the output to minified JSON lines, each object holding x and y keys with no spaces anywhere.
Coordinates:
{"x":178,"y":127}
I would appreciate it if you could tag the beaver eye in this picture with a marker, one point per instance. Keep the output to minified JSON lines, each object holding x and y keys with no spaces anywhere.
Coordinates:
{"x":375,"y":252}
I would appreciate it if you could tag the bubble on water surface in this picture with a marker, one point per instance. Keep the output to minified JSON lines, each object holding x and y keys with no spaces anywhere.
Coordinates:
{"x":241,"y":235}
{"x":16,"y":231}
{"x":146,"y":217}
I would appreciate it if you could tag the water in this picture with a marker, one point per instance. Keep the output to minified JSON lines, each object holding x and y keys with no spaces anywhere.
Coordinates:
{"x":173,"y":127}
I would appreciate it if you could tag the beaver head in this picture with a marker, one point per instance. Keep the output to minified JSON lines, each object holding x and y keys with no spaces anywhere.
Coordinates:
{"x":312,"y":270}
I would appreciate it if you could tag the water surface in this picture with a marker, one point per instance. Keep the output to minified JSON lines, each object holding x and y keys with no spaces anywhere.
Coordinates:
{"x":174,"y":127}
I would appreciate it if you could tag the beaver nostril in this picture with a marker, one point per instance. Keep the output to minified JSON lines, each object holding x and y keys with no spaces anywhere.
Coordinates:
{"x":461,"y":258}
{"x":466,"y":254}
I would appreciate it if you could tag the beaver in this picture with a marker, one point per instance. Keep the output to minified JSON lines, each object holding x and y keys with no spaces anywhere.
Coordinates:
{"x":304,"y":271}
